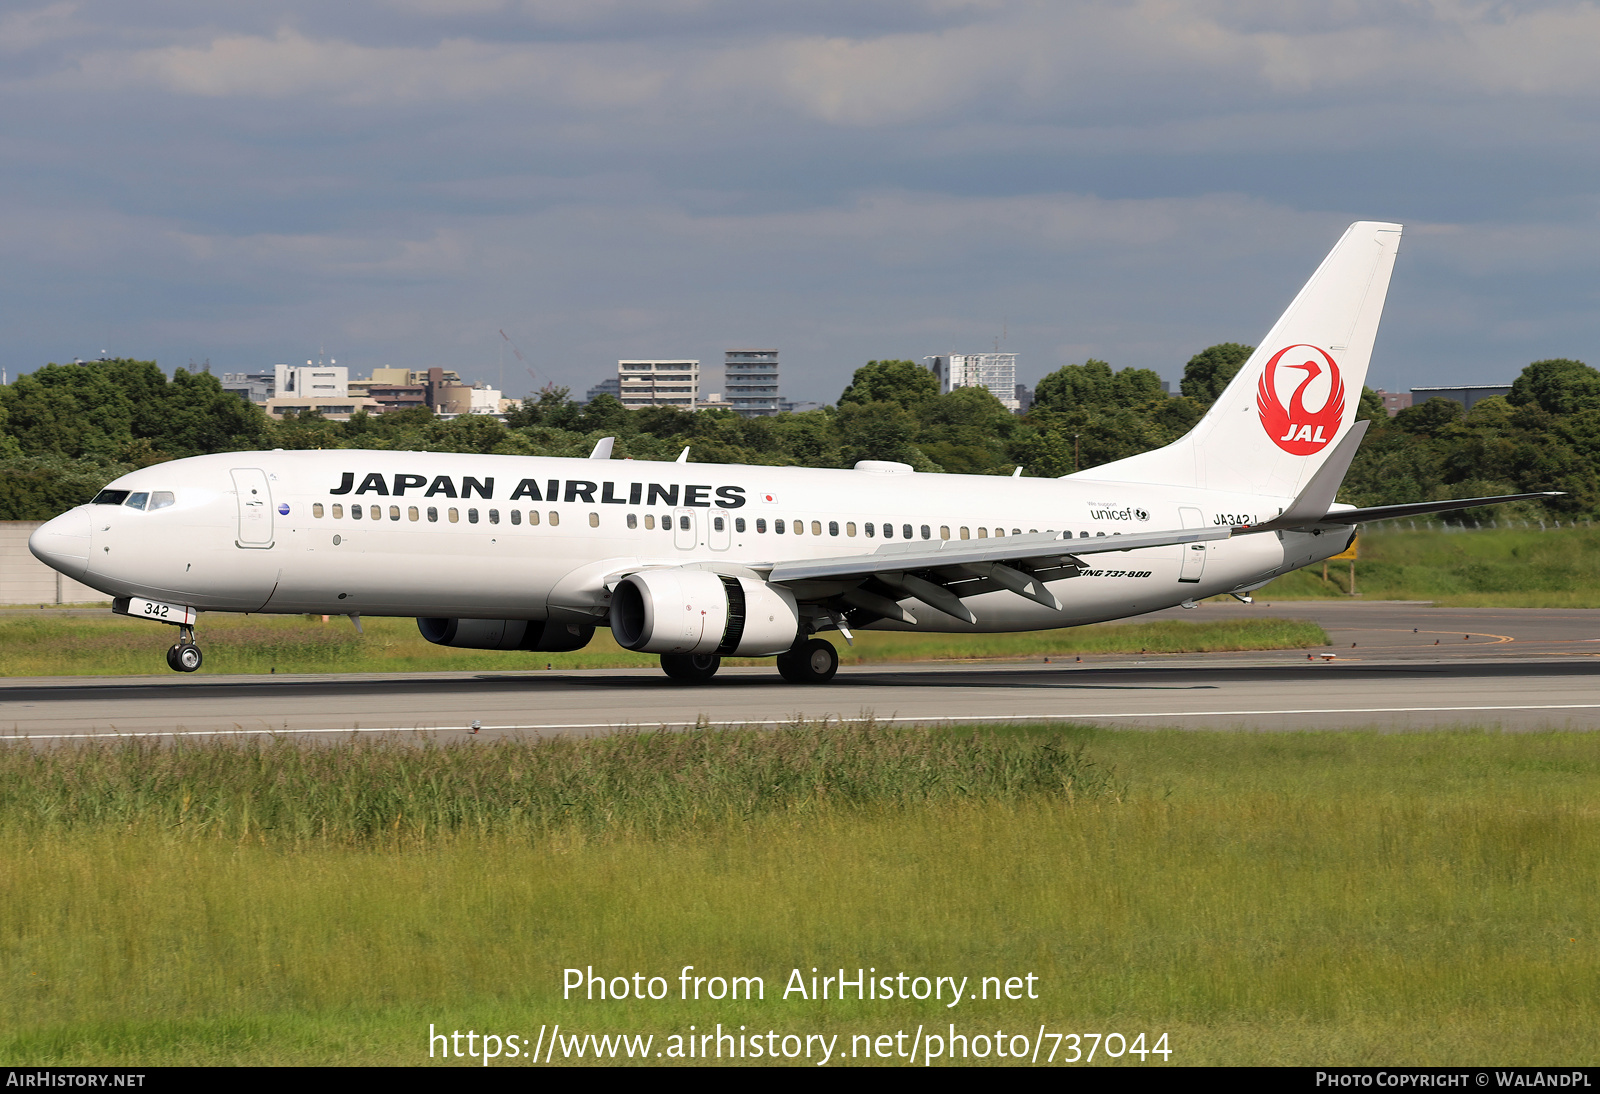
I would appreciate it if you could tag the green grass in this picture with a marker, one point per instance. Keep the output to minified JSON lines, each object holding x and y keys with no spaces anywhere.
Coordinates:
{"x":49,"y":644}
{"x":1498,"y":568}
{"x":1328,"y":898}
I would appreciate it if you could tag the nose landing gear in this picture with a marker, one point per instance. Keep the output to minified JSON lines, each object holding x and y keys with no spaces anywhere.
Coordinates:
{"x":185,"y":656}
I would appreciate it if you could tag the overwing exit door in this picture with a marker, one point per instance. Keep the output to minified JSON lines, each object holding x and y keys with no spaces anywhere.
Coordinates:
{"x":684,"y":533}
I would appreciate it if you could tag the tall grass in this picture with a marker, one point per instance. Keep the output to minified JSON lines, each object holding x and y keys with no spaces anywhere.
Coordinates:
{"x":1488,"y":568}
{"x":365,"y":790}
{"x":50,"y":644}
{"x":1339,"y":898}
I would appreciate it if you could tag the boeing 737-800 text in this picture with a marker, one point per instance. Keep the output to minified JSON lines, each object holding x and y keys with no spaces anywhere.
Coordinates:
{"x":699,"y":561}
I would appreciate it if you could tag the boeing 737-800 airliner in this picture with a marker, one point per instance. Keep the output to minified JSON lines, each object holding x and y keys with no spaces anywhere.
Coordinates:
{"x":699,"y":561}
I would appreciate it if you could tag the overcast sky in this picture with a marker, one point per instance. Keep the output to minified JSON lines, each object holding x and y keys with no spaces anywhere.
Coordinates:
{"x":395,"y":181}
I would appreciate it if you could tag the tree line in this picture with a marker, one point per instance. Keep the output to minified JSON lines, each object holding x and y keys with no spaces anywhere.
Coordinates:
{"x":66,"y":430}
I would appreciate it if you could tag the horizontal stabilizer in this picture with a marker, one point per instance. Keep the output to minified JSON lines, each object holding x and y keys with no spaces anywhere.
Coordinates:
{"x":1419,"y":508}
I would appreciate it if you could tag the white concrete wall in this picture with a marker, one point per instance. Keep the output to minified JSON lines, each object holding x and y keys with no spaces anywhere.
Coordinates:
{"x":26,"y":580}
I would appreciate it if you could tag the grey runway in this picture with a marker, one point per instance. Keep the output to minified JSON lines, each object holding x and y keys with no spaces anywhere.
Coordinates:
{"x":1515,"y":669}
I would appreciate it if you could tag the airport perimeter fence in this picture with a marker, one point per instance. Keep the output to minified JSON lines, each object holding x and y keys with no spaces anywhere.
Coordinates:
{"x":1476,"y":526}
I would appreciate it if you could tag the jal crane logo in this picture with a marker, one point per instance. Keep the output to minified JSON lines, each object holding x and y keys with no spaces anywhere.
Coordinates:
{"x":1293,"y":428}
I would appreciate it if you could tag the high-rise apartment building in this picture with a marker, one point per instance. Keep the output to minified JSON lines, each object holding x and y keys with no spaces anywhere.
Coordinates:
{"x":658,"y":383}
{"x":995,"y":371}
{"x":750,"y":380}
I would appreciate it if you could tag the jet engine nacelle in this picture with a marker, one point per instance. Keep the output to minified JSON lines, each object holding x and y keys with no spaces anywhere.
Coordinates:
{"x":505,"y":634}
{"x":696,"y":611}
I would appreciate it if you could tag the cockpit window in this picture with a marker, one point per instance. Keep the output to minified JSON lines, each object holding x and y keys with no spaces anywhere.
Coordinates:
{"x":160,"y":499}
{"x":110,"y":497}
{"x":138,"y":500}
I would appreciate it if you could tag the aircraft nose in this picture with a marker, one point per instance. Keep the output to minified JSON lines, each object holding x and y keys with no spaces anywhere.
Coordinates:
{"x":63,"y":543}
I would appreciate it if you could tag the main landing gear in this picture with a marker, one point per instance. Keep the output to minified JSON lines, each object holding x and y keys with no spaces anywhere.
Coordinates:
{"x":690,"y":668}
{"x":813,"y":661}
{"x":809,"y":661}
{"x":185,"y":656}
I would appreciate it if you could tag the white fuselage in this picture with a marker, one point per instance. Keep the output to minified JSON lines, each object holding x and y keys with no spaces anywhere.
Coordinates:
{"x":526,"y":537}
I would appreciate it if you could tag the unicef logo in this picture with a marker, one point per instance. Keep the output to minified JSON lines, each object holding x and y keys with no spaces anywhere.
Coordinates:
{"x":1141,"y":514}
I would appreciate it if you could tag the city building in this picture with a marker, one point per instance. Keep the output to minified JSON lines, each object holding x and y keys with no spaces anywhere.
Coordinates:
{"x":253,"y":387}
{"x":1466,"y":395}
{"x":658,"y":383}
{"x":711,"y":400}
{"x":609,"y":386}
{"x":334,"y":408}
{"x":310,"y":381}
{"x":995,"y":371}
{"x":750,"y":377}
{"x":1025,"y":396}
{"x":393,"y":396}
{"x":1393,"y":401}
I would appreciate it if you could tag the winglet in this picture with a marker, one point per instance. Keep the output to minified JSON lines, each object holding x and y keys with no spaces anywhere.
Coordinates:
{"x":602,"y":448}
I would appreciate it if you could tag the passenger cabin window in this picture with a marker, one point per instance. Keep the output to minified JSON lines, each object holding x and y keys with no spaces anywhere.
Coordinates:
{"x":718,"y":524}
{"x":799,"y":527}
{"x":355,"y":512}
{"x":816,"y":527}
{"x":944,"y":531}
{"x":433,"y":514}
{"x":633,"y":520}
{"x":683,"y":524}
{"x":454,"y":515}
{"x":110,"y":497}
{"x":649,"y":522}
{"x":905,"y":531}
{"x":412,"y":514}
{"x":849,"y":527}
{"x":999,"y":531}
{"x":516,"y":516}
{"x":555,"y":518}
{"x":533,"y":516}
{"x":594,"y":520}
{"x":161,"y":499}
{"x":869,"y":529}
{"x":761,"y":525}
{"x":338,"y":511}
{"x":472,"y":516}
{"x":494,"y":516}
{"x":927,"y":533}
{"x":777,"y":526}
{"x":316,"y":509}
{"x":888,"y":531}
{"x":394,"y":512}
{"x":377,"y":512}
{"x":738,"y":524}
{"x":833,"y":527}
{"x":965,"y":534}
{"x":983,"y":533}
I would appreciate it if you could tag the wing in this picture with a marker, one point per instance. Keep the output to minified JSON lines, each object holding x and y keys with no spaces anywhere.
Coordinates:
{"x":941,"y":572}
